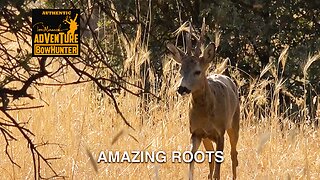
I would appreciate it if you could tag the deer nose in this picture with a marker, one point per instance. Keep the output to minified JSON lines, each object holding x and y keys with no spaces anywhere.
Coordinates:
{"x":183,"y":90}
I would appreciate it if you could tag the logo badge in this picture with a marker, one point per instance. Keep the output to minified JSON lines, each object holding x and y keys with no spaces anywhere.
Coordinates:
{"x":55,"y":32}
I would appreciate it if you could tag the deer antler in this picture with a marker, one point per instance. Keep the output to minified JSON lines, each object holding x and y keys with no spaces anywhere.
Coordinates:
{"x":188,"y":39}
{"x":201,"y":39}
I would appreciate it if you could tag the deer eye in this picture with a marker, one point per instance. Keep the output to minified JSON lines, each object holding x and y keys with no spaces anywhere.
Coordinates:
{"x":197,"y":73}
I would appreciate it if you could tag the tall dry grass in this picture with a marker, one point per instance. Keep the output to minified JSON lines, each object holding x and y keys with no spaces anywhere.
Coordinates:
{"x":79,"y":123}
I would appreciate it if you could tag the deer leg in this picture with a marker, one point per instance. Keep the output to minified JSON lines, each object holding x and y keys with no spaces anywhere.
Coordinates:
{"x":234,"y":136}
{"x":195,"y":145}
{"x":209,"y":147}
{"x":220,"y":145}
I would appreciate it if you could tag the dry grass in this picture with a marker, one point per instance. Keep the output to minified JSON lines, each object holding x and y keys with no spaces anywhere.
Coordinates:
{"x":81,"y":124}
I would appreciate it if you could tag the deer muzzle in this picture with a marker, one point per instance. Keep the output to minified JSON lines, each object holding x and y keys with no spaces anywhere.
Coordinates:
{"x":183,"y":90}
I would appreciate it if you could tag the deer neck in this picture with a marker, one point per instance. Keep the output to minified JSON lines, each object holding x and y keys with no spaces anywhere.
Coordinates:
{"x":203,"y":97}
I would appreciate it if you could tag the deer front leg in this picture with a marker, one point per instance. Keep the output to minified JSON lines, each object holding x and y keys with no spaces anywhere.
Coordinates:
{"x":209,"y":147}
{"x":195,"y":145}
{"x":220,"y":145}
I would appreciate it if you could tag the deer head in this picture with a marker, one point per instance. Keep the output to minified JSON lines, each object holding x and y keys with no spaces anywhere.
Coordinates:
{"x":193,"y":64}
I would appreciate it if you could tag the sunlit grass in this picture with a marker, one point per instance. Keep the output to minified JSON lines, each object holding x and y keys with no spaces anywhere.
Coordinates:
{"x":76,"y":121}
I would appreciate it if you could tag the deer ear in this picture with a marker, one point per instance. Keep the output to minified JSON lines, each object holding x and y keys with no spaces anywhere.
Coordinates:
{"x":177,"y":54}
{"x":209,"y":53}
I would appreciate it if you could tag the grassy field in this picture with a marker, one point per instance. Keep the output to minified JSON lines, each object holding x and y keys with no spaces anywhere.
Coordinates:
{"x":79,"y":121}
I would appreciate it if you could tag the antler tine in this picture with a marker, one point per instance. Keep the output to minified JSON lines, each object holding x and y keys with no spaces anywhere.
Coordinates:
{"x":189,"y":43}
{"x":201,"y":38}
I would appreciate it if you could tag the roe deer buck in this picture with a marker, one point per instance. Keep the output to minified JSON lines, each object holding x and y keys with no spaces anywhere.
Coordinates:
{"x":214,"y":102}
